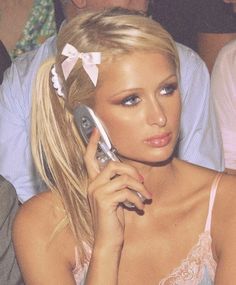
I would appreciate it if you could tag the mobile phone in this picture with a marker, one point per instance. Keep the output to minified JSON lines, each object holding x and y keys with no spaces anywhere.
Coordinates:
{"x":86,"y":121}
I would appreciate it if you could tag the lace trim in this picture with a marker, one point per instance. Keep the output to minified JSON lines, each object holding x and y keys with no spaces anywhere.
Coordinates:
{"x":190,"y":272}
{"x":80,"y":270}
{"x":192,"y":269}
{"x":80,"y":273}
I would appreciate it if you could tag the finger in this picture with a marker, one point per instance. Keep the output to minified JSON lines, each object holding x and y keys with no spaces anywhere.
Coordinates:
{"x":113,"y":169}
{"x":126,"y":181}
{"x":117,"y":184}
{"x":124,"y":195}
{"x":107,"y":184}
{"x":90,"y":155}
{"x":109,"y":203}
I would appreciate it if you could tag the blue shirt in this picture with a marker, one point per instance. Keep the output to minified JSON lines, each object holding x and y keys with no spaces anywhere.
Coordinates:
{"x":199,"y":142}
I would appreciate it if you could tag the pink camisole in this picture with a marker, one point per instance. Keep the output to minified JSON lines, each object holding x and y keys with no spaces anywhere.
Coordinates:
{"x":198,"y":268}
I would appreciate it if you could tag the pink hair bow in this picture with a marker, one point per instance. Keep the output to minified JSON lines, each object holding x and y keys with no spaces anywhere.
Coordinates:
{"x":89,"y":61}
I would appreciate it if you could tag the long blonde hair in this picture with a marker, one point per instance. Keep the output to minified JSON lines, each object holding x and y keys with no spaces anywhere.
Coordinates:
{"x":56,"y":145}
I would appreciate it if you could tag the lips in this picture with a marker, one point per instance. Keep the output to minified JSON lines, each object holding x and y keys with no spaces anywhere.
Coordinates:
{"x":159,"y":140}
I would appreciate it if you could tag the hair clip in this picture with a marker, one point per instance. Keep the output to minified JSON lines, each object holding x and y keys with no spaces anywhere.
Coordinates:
{"x":56,"y":82}
{"x":89,"y":62}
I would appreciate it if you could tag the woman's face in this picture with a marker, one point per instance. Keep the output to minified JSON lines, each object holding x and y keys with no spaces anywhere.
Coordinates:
{"x":138,"y":101}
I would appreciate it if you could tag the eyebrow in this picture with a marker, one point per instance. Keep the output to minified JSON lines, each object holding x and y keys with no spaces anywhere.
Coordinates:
{"x":134,"y":89}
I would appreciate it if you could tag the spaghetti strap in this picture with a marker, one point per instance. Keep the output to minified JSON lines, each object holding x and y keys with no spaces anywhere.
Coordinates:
{"x":212,"y":200}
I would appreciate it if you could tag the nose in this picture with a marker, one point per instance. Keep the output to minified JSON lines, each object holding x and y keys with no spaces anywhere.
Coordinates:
{"x":156,"y":114}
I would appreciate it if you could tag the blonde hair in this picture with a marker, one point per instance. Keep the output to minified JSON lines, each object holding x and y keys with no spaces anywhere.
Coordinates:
{"x":56,"y":145}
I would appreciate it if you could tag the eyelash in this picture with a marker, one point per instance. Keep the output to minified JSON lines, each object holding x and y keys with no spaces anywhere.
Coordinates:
{"x":129,"y":98}
{"x":168,"y":91}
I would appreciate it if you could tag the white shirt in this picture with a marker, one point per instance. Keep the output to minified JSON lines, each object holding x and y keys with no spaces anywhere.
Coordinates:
{"x":199,"y":142}
{"x":223,"y":91}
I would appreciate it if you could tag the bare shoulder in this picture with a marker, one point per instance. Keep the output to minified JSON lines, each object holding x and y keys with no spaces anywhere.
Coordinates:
{"x":35,"y":239}
{"x":195,"y":176}
{"x":37,"y":220}
{"x":224,"y":213}
{"x":39,"y":213}
{"x":225,"y":202}
{"x":223,"y":230}
{"x":39,"y":217}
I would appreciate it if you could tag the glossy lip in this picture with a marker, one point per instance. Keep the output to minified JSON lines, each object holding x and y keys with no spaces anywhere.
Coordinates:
{"x":159,"y":140}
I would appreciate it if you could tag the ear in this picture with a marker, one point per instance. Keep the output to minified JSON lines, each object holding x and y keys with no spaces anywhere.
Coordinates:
{"x":80,"y":3}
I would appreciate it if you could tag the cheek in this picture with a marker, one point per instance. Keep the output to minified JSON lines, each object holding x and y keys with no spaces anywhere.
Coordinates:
{"x":120,"y":132}
{"x":175,"y":115}
{"x":178,"y":112}
{"x":174,"y":122}
{"x":174,"y":112}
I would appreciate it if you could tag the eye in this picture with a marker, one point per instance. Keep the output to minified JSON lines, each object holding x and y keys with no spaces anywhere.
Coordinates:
{"x":131,"y":100}
{"x":168,"y":89}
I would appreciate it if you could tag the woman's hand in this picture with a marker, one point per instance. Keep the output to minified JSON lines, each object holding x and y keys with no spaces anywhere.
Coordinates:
{"x":108,"y":189}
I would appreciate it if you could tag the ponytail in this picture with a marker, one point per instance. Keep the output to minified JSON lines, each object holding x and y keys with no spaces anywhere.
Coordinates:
{"x":58,"y":160}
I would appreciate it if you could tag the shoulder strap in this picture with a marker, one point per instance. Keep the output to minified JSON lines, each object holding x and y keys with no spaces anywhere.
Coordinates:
{"x":212,"y":200}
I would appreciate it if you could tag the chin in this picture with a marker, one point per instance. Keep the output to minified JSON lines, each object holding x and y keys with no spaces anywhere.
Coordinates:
{"x":152,"y":159}
{"x":159,"y":161}
{"x":148,"y":155}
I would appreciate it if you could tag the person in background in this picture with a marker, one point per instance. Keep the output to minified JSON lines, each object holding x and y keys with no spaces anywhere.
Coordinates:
{"x":223,"y":92}
{"x":217,"y":30}
{"x":199,"y":139}
{"x":59,"y":13}
{"x":5,"y":60}
{"x":204,"y":25}
{"x":26,"y":24}
{"x":9,"y":270}
{"x":82,"y":231}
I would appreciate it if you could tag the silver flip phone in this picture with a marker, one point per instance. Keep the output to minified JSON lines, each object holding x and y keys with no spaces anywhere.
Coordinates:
{"x":86,"y":121}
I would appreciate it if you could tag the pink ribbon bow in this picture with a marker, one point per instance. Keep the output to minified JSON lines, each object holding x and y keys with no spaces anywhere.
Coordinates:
{"x":89,"y":61}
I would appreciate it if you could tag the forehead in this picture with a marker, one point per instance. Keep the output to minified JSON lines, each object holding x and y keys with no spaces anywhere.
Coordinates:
{"x":136,"y":70}
{"x":136,"y":59}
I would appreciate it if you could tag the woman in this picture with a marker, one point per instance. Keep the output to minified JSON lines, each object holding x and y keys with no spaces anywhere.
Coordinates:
{"x":125,"y":67}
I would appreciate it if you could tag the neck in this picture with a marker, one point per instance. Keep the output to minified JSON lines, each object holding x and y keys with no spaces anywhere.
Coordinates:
{"x":157,"y":177}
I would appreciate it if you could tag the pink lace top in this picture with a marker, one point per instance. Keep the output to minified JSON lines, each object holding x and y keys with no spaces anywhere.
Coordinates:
{"x":198,"y":268}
